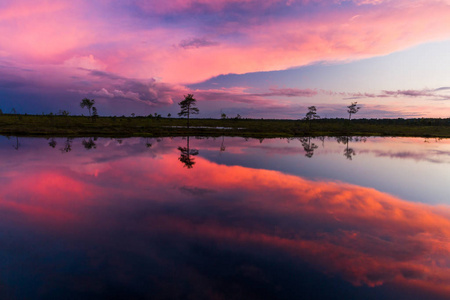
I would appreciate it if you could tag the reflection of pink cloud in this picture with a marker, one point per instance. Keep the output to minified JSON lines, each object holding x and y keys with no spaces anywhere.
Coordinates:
{"x":365,"y":236}
{"x":46,"y":196}
{"x":374,"y":238}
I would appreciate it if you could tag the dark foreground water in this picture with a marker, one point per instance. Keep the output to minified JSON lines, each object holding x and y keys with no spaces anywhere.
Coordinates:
{"x":226,"y":218}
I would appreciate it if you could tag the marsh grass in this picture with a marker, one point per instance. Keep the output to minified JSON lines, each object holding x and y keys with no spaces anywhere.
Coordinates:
{"x":78,"y":126}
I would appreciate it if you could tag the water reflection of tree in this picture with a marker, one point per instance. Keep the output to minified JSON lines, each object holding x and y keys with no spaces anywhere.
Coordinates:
{"x":222,"y":145}
{"x":147,"y":143}
{"x":67,"y":146}
{"x":52,"y":143}
{"x":89,"y":144}
{"x":17,"y":145}
{"x":322,"y":139}
{"x":348,"y":151}
{"x":186,"y":155}
{"x":308,"y":146}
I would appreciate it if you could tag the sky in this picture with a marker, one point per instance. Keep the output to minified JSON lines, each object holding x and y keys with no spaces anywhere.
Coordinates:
{"x":258,"y":59}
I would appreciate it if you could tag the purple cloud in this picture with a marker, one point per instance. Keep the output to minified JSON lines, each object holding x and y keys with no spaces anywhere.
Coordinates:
{"x":197,"y":43}
{"x":290,"y":92}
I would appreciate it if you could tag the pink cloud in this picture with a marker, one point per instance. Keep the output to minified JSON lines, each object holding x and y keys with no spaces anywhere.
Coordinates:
{"x":62,"y":31}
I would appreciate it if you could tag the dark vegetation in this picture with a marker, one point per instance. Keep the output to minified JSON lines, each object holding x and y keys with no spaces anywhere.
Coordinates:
{"x":153,"y":126}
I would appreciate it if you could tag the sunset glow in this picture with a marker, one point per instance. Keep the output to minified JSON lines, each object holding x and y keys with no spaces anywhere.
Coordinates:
{"x":143,"y":56}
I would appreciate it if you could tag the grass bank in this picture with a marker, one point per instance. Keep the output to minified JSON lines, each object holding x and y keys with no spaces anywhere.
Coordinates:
{"x":80,"y":126}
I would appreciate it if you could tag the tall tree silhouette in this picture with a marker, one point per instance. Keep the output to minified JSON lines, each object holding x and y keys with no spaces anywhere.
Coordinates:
{"x":87,"y":103}
{"x":188,"y":107}
{"x":186,"y":155}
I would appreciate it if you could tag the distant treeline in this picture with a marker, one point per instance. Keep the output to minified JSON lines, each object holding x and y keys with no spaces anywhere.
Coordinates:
{"x":398,"y":121}
{"x":79,"y":126}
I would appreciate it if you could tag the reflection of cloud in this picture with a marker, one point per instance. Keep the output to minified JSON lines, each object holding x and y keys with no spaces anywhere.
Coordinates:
{"x":195,"y":190}
{"x":359,"y":234}
{"x":434,"y":156}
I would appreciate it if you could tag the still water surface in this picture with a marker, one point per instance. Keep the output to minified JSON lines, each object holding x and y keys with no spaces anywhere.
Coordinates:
{"x":225,"y":218}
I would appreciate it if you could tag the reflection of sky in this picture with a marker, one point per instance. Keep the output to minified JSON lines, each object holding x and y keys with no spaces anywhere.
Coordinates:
{"x":408,"y":168}
{"x":125,"y":220}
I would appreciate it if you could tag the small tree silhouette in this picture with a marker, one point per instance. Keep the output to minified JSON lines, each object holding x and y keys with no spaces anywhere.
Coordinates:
{"x":94,"y":113}
{"x":311,"y":115}
{"x":87,"y":103}
{"x":64,"y":113}
{"x":352,"y":109}
{"x":188,"y":107}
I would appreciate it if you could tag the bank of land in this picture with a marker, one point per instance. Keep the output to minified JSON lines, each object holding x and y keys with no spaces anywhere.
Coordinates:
{"x":80,"y":126}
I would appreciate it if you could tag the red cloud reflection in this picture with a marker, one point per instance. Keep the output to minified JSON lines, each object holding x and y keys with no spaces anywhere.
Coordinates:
{"x":365,"y":236}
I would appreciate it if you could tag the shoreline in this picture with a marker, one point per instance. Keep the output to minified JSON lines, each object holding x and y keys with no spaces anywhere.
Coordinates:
{"x":82,"y":126}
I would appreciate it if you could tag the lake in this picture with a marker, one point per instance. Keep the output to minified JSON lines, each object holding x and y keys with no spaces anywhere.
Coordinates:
{"x":225,"y":218}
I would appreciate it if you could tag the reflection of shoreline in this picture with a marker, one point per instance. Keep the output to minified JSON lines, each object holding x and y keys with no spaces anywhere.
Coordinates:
{"x":359,"y":234}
